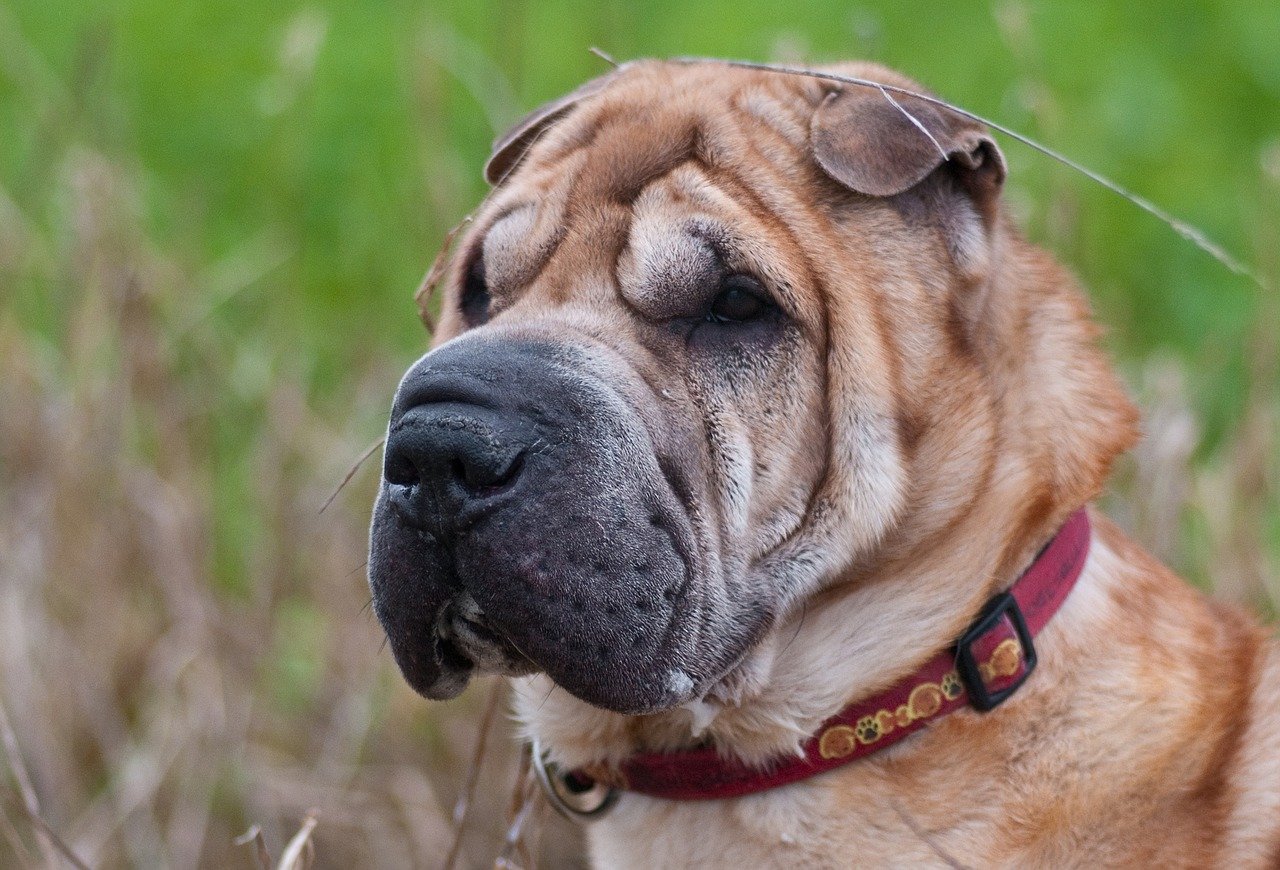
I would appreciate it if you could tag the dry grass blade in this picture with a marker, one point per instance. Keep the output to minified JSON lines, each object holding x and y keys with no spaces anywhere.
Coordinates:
{"x":603,"y":55}
{"x":915,"y":122}
{"x":1192,"y":234}
{"x":30,"y":804}
{"x":427,"y":289}
{"x":20,"y":851}
{"x":351,"y":472}
{"x":254,"y":836}
{"x":300,"y":853}
{"x":462,"y":809}
{"x":524,"y":770}
{"x":524,"y":821}
{"x":57,"y":844}
{"x":924,"y":837}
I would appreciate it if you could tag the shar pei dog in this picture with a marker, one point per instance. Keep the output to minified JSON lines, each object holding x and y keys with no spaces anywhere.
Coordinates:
{"x":757,"y":447}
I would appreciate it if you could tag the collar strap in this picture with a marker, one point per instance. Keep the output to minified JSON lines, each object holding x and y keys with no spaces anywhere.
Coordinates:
{"x":987,"y":664}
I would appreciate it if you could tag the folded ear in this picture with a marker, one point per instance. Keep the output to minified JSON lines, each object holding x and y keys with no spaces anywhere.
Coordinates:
{"x":882,"y":144}
{"x":509,"y":148}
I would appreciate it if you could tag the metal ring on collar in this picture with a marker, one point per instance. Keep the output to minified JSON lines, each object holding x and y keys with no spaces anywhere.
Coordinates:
{"x":571,"y":805}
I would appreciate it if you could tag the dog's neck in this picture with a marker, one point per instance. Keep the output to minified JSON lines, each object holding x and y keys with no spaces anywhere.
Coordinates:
{"x":892,"y":611}
{"x":849,"y":643}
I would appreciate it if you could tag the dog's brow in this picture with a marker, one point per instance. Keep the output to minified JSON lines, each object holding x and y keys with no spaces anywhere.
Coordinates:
{"x":629,"y":155}
{"x":517,"y":244}
{"x":664,"y":265}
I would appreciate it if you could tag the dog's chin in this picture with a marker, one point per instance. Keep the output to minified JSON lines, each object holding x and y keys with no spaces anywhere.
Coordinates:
{"x":446,"y":678}
{"x":463,"y":646}
{"x":454,"y":662}
{"x":441,"y":667}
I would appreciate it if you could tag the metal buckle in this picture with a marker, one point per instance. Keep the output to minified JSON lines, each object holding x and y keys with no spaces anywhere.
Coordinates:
{"x":567,"y":797}
{"x":997,"y":608}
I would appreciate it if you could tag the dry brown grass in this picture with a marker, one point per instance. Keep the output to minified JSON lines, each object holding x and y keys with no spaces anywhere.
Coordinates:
{"x":158,"y":713}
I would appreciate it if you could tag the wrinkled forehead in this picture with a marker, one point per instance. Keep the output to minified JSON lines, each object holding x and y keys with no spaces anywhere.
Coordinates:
{"x":672,"y":146}
{"x":653,"y":116}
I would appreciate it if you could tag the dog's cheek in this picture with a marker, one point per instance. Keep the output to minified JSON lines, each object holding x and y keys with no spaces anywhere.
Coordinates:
{"x":760,"y":406}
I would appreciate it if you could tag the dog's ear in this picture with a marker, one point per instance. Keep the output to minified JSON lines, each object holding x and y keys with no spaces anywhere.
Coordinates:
{"x":509,"y":148}
{"x":883,"y":144}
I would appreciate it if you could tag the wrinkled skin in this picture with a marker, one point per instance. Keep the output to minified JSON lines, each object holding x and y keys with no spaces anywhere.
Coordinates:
{"x":660,"y":464}
{"x":823,"y":486}
{"x":587,"y":566}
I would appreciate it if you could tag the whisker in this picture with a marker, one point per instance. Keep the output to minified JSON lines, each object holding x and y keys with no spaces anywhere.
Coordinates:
{"x":804,"y":614}
{"x":352,"y":472}
{"x":547,"y":695}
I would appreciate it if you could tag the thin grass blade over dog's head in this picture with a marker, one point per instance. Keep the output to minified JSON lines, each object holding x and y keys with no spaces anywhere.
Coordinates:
{"x":666,"y":403}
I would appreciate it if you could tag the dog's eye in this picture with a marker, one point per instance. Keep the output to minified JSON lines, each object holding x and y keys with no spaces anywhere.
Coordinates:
{"x":475,"y":294}
{"x":741,"y":298}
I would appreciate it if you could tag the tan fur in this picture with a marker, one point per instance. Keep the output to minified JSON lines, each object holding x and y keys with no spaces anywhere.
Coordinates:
{"x":947,"y":410}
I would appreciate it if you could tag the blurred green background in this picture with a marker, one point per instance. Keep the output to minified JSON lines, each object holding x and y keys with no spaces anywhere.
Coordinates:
{"x":212,"y":219}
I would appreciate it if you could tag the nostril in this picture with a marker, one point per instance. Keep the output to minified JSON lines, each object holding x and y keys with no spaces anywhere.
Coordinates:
{"x":509,"y":477}
{"x":402,"y":465}
{"x":406,"y":503}
{"x":400,"y":470}
{"x":461,"y":472}
{"x":439,"y":458}
{"x":488,"y":475}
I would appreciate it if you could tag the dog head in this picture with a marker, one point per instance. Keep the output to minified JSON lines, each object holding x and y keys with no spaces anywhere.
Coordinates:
{"x":720,"y":339}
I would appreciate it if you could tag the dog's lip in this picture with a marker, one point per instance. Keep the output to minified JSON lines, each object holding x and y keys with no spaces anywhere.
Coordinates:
{"x":480,"y":645}
{"x":452,"y":657}
{"x":479,"y":631}
{"x":446,"y":679}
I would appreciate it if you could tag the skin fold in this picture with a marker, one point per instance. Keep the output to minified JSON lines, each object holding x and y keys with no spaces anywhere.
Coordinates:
{"x":745,"y":397}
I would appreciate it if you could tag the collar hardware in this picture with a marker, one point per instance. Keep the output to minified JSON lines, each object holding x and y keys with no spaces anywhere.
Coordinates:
{"x":576,"y":797}
{"x":1009,"y":664}
{"x":990,"y":661}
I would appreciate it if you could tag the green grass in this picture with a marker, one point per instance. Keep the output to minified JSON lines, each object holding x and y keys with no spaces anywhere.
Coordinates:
{"x":335,"y":165}
{"x":213,"y":216}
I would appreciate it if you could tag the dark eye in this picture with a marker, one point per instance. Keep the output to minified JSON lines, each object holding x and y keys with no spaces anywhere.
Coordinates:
{"x":741,"y":298}
{"x":475,"y":294}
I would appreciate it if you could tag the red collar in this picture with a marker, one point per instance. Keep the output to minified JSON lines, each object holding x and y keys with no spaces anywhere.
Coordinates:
{"x":986,"y":665}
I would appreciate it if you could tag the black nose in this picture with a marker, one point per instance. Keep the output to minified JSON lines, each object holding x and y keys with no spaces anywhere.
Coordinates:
{"x":443,"y":458}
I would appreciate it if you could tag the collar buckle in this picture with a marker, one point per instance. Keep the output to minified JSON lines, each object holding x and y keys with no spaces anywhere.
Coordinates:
{"x":576,"y":797}
{"x":981,"y":695}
